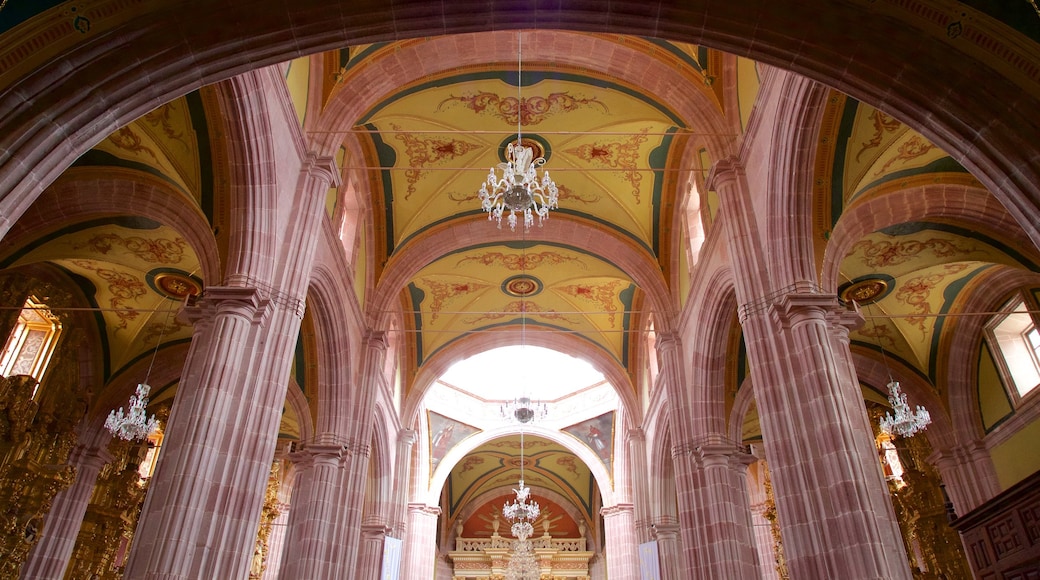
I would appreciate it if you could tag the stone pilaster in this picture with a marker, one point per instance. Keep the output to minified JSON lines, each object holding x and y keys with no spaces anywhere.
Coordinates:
{"x":276,"y":543}
{"x":420,"y":544}
{"x":402,"y":481}
{"x":309,"y":538}
{"x":820,"y":444}
{"x":50,"y":556}
{"x":669,"y":551}
{"x":370,"y":554}
{"x":203,"y":507}
{"x":637,"y":468}
{"x":836,"y":517}
{"x":968,"y":474}
{"x":621,"y":549}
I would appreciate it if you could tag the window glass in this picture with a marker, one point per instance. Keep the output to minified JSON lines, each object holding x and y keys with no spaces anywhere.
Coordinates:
{"x":1014,"y":335}
{"x":29,"y":347}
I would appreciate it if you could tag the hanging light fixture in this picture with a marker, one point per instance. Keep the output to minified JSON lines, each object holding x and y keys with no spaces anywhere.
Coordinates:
{"x":523,"y":410}
{"x":134,"y":423}
{"x":904,"y":422}
{"x":519,"y":190}
{"x":522,"y":513}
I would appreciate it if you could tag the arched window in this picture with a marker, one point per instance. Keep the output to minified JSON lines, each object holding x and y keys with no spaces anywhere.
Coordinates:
{"x":30,"y":346}
{"x":1013,"y":334}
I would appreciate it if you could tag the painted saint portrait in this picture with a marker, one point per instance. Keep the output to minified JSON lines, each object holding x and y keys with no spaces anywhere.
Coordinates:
{"x":598,"y":434}
{"x":445,"y":433}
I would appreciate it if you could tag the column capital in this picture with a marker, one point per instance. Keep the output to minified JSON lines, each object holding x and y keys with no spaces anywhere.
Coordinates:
{"x":799,"y":307}
{"x":376,"y":339}
{"x":407,"y":437}
{"x":725,"y":454}
{"x":318,"y":454}
{"x":373,"y":531}
{"x":90,"y":457}
{"x":636,"y":434}
{"x":422,"y":509}
{"x":723,"y":171}
{"x":665,"y":531}
{"x":617,"y":510}
{"x":242,"y":301}
{"x":666,"y":341}
{"x":321,"y":167}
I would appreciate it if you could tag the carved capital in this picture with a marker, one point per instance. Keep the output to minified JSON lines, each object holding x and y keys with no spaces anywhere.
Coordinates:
{"x":323,"y":168}
{"x":617,"y":510}
{"x":421,"y":509}
{"x":244,"y":302}
{"x":723,"y":172}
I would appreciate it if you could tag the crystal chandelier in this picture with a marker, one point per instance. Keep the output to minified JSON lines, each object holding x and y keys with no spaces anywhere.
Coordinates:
{"x":523,"y":565}
{"x":519,"y":190}
{"x":524,"y":410}
{"x":134,"y":423}
{"x":905,"y":422}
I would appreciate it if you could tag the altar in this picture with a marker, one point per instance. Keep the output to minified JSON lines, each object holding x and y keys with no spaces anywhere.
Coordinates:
{"x":488,"y":558}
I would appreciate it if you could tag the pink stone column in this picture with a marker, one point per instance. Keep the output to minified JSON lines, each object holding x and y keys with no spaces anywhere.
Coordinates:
{"x":835,"y":514}
{"x":621,"y":549}
{"x":200,"y":517}
{"x":640,"y":483}
{"x":669,"y":551}
{"x":309,"y":540}
{"x":420,"y":544}
{"x":968,"y":475}
{"x":370,"y":555}
{"x":402,"y":481}
{"x":834,"y":510}
{"x":727,"y":536}
{"x":682,"y":462}
{"x":50,"y":556}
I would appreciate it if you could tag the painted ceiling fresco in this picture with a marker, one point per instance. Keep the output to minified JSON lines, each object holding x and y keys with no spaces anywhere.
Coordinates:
{"x":550,"y":470}
{"x":612,"y":148}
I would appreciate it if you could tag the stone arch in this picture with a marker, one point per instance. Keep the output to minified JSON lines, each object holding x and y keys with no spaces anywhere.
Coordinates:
{"x":377,"y":505}
{"x":431,"y":495}
{"x":88,"y":194}
{"x":438,"y":55}
{"x":702,"y":411}
{"x":85,"y":101}
{"x":254,"y":178}
{"x":790,"y":189}
{"x":409,"y":260}
{"x":964,"y":204}
{"x":335,"y":354}
{"x":663,"y":500}
{"x":567,"y":343}
{"x":966,"y":335}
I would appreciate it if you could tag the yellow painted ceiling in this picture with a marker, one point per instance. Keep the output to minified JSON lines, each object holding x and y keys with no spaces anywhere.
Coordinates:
{"x":495,"y":465}
{"x":482,"y":288}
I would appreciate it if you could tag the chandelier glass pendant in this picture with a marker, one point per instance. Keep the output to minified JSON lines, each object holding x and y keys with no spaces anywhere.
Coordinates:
{"x":523,"y":564}
{"x":523,"y":410}
{"x":905,"y":422}
{"x":135,"y":423}
{"x":519,"y":191}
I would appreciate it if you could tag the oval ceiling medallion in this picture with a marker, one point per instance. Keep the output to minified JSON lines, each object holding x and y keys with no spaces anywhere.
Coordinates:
{"x":865,"y":291}
{"x":522,"y":286}
{"x":177,"y":286}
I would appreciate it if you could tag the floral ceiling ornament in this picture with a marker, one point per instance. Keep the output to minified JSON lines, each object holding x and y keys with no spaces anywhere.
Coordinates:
{"x":519,"y":191}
